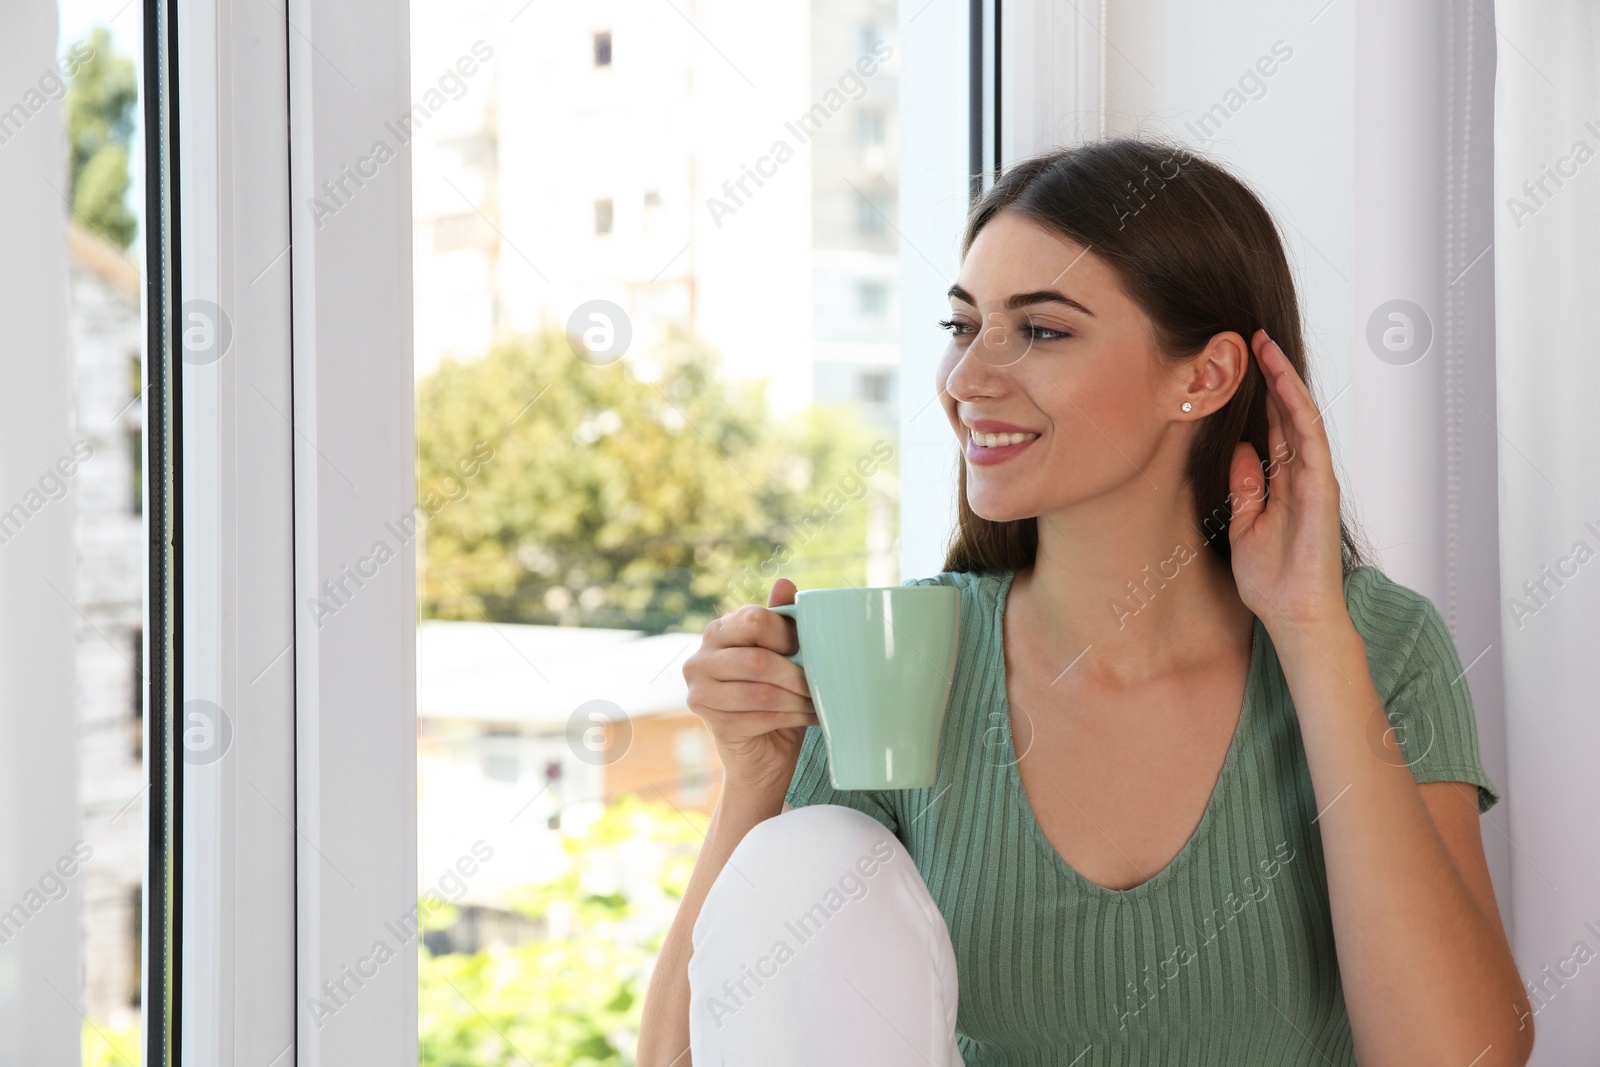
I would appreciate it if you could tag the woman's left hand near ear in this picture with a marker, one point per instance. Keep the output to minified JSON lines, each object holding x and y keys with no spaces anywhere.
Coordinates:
{"x":1285,"y":539}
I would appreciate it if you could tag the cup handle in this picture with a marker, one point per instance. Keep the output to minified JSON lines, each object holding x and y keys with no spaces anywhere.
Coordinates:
{"x":788,"y":610}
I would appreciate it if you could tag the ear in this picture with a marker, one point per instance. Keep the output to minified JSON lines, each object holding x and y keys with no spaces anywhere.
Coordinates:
{"x":1214,"y":375}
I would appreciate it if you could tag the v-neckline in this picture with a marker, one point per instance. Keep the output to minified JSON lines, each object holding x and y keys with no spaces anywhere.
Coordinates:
{"x":1185,"y":854}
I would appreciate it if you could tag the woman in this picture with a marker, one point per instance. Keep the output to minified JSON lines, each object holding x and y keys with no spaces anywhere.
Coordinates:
{"x":1208,"y":786}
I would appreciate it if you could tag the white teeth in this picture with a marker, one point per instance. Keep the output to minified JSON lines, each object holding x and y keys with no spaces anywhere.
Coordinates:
{"x":996,"y":440}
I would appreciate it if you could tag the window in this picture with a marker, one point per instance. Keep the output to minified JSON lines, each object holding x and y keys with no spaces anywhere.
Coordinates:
{"x":134,"y":441}
{"x":133,"y":938}
{"x":870,"y":127}
{"x":690,"y":750}
{"x":136,"y":689}
{"x":502,"y":756}
{"x":871,"y":215}
{"x":466,"y":230}
{"x":872,"y":298}
{"x":875,"y":387}
{"x":74,"y":796}
{"x":661,"y":440}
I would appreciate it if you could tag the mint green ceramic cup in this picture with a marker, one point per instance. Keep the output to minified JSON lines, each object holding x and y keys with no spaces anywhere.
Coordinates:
{"x":880,"y":663}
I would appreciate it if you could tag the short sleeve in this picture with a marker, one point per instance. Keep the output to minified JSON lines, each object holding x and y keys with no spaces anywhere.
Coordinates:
{"x":811,"y":785}
{"x":1417,"y":671}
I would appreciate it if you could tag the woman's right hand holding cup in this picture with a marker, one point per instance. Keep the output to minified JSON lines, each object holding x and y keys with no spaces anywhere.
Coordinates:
{"x":754,"y":701}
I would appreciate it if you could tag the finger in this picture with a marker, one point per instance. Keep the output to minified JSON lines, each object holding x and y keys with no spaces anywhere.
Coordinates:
{"x":1279,"y":449}
{"x":1303,"y":424}
{"x":741,"y":698}
{"x":1275,"y":361}
{"x":753,"y":625}
{"x":751,"y":663}
{"x":783,"y":592}
{"x":1301,"y":420}
{"x":1285,"y":443}
{"x":1246,"y":488}
{"x":768,"y":722}
{"x":740,"y":725}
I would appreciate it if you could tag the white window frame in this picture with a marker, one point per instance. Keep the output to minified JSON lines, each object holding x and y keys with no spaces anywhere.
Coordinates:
{"x":933,"y":199}
{"x":300,"y":843}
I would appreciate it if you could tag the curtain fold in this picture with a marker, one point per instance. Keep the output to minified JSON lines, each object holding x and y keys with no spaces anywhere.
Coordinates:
{"x":1547,"y":274}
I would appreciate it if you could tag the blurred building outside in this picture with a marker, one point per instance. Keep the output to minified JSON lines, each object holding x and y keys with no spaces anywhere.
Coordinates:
{"x":527,"y":733}
{"x":613,"y":154}
{"x":106,"y":338}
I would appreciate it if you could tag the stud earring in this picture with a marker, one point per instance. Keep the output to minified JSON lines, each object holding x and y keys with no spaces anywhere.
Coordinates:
{"x":1187,"y":406}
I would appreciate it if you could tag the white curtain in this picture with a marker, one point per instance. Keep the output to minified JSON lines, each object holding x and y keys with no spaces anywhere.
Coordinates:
{"x":1547,"y":277}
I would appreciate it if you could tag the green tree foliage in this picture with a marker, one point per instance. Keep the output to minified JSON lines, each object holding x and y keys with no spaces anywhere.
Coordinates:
{"x":614,"y":501}
{"x":574,"y":998}
{"x":105,"y":1045}
{"x":99,"y":116}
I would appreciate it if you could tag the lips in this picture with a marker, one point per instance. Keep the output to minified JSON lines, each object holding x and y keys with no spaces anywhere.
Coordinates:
{"x":995,"y":426}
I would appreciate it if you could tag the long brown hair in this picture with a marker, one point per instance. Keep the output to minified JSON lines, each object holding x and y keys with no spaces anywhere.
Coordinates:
{"x":1199,"y":253}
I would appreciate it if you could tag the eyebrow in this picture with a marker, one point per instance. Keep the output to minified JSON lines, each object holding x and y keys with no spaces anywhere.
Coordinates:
{"x":1023,"y":299}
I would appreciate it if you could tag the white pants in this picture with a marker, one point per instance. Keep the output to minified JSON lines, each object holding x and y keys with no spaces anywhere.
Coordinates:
{"x":820,"y":944}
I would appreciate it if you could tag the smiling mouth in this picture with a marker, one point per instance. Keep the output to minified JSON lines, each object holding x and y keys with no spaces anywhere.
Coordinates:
{"x":998,"y":440}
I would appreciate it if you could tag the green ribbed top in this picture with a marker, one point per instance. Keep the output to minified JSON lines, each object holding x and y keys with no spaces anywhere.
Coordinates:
{"x":1225,"y":958}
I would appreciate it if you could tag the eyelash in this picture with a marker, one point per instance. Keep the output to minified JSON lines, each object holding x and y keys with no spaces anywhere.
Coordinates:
{"x":960,"y":329}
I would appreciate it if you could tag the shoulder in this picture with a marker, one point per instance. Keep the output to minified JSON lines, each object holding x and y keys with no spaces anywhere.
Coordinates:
{"x":942,"y":578}
{"x":979,"y":589}
{"x":1382,"y":602}
{"x":980,"y":594}
{"x":1417,"y":671}
{"x":966,"y":581}
{"x":1390,"y":617}
{"x":1384,"y":608}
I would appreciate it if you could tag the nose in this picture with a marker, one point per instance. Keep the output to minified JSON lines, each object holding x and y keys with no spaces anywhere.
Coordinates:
{"x":979,"y":370}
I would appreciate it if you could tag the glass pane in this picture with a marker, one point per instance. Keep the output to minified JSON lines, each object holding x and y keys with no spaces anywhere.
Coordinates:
{"x":72,"y":535}
{"x":656,"y":300}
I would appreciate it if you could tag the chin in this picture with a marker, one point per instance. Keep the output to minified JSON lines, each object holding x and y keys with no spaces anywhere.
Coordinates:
{"x":999,"y":511}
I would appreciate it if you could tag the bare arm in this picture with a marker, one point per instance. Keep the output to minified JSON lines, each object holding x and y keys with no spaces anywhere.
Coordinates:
{"x":664,"y":1031}
{"x":1428,"y":978}
{"x":1427,"y":973}
{"x":757,"y":706}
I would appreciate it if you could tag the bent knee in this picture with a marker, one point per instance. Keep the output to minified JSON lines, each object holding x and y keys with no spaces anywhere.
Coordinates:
{"x":785,"y":864}
{"x":814,"y":834}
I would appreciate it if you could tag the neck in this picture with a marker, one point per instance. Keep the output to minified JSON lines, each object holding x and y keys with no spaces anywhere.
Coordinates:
{"x":1142,"y":598}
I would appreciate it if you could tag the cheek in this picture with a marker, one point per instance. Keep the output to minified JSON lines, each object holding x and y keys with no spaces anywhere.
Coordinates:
{"x":1094,"y":396}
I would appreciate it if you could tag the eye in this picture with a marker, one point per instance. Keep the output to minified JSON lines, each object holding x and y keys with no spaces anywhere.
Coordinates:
{"x":957,"y":329}
{"x":1045,"y":333}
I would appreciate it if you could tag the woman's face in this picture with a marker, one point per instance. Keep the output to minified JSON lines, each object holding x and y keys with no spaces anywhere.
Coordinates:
{"x":1045,"y":341}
